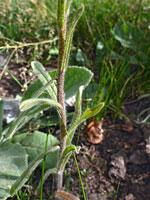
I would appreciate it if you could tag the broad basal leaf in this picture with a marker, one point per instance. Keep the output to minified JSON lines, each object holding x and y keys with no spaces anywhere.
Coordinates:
{"x":34,"y":145}
{"x":32,"y":166}
{"x":13,"y":162}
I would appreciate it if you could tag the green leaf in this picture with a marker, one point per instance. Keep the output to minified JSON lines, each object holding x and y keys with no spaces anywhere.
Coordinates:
{"x":45,"y":79}
{"x":42,"y":89}
{"x":67,"y":11}
{"x":74,"y":78}
{"x":28,"y":104}
{"x":88,"y":113}
{"x":33,"y":90}
{"x":32,"y":166}
{"x":34,"y":145}
{"x":69,"y":37}
{"x":13,"y":162}
{"x":77,"y":114}
{"x":66,"y":155}
{"x":81,"y":76}
{"x":129,"y":36}
{"x":1,"y":117}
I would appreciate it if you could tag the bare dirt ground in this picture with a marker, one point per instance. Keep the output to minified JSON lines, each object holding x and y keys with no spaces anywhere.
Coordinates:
{"x":116,"y":168}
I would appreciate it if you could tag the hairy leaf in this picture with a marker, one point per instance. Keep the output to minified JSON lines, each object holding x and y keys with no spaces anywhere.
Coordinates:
{"x":13,"y":162}
{"x":45,"y":79}
{"x":26,"y":174}
{"x":81,"y":76}
{"x":77,"y":114}
{"x":66,"y":155}
{"x":22,"y":119}
{"x":88,"y":113}
{"x":34,"y":145}
{"x":27,"y":104}
{"x":69,"y":38}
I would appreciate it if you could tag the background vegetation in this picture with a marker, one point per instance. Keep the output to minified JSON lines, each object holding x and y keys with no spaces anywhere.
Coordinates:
{"x":111,"y":39}
{"x":103,"y":41}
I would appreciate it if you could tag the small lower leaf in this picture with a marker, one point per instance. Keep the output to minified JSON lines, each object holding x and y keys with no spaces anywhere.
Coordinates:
{"x":66,"y":155}
{"x":88,"y":113}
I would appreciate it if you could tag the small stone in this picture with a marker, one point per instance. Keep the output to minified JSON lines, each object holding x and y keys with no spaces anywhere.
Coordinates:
{"x":3,"y":60}
{"x":11,"y":110}
{"x":118,"y":169}
{"x":130,"y":197}
{"x":136,"y":137}
{"x":138,"y":158}
{"x":96,"y":196}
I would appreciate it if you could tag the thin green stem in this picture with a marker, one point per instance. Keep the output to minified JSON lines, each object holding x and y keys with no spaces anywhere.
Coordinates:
{"x":82,"y":186}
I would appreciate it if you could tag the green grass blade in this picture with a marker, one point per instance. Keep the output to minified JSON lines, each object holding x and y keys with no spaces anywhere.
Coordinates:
{"x":81,"y":182}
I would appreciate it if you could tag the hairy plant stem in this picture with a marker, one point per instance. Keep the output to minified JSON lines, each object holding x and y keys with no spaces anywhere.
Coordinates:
{"x":62,"y":20}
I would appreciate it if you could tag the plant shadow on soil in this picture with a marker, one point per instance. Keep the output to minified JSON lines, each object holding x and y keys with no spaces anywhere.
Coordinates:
{"x":117,"y":168}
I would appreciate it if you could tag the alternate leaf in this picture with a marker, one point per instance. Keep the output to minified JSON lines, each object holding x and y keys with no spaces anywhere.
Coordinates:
{"x":88,"y":113}
{"x":46,"y":175}
{"x":27,"y":104}
{"x":67,"y":11}
{"x":65,"y":195}
{"x":69,"y":38}
{"x":77,"y":114}
{"x":66,"y":155}
{"x":45,"y":79}
{"x":22,"y":119}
